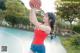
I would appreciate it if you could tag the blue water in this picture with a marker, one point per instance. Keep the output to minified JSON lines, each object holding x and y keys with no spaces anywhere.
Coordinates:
{"x":19,"y":41}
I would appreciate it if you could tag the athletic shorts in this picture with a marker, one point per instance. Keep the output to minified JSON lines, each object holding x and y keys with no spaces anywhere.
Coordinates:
{"x":38,"y":48}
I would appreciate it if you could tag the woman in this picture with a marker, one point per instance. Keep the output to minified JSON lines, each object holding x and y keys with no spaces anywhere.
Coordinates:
{"x":41,"y":31}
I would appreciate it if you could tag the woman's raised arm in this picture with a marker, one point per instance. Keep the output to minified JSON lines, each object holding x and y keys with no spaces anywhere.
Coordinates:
{"x":33,"y":18}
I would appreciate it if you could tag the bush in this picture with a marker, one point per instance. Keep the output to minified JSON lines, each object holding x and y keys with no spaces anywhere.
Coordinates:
{"x":12,"y":20}
{"x":73,"y":41}
{"x":76,"y":28}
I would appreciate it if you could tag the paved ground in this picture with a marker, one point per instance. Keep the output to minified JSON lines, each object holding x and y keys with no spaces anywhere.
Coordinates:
{"x":18,"y":41}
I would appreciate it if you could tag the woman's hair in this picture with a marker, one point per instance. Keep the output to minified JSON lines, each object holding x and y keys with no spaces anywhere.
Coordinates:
{"x":51,"y":21}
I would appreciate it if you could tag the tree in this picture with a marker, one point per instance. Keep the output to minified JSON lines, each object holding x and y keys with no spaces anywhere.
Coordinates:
{"x":16,"y":13}
{"x":16,"y":8}
{"x":2,"y":15}
{"x":2,"y":10}
{"x":11,"y":20}
{"x":2,"y":4}
{"x":68,"y":10}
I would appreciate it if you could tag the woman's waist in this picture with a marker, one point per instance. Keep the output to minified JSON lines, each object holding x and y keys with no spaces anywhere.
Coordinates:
{"x":38,"y":41}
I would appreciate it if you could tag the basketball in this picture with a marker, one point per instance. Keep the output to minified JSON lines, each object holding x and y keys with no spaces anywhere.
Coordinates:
{"x":35,"y":4}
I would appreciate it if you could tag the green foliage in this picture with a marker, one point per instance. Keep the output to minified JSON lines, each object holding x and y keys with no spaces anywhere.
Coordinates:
{"x":2,"y":5}
{"x":40,"y":19}
{"x":2,"y":14}
{"x":68,"y":11}
{"x":73,"y":42}
{"x":16,"y":13}
{"x":72,"y":0}
{"x":40,"y":15}
{"x":76,"y":28}
{"x":12,"y":20}
{"x":25,"y":21}
{"x":14,"y":7}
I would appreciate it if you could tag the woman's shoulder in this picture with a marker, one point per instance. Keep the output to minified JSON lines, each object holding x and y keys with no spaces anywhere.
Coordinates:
{"x":36,"y":27}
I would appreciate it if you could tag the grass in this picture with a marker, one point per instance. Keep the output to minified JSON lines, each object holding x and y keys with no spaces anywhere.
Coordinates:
{"x":67,"y":44}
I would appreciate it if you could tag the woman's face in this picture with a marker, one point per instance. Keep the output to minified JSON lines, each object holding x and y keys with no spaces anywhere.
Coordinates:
{"x":45,"y":18}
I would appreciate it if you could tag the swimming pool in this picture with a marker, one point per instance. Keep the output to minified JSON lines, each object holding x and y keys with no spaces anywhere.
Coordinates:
{"x":19,"y":41}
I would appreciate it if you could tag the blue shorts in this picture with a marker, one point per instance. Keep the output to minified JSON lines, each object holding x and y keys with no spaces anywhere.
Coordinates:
{"x":38,"y":48}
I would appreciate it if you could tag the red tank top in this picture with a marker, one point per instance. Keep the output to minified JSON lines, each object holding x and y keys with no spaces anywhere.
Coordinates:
{"x":39,"y":36}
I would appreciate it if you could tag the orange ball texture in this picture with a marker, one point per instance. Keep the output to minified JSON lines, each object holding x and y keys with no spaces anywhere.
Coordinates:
{"x":35,"y":4}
